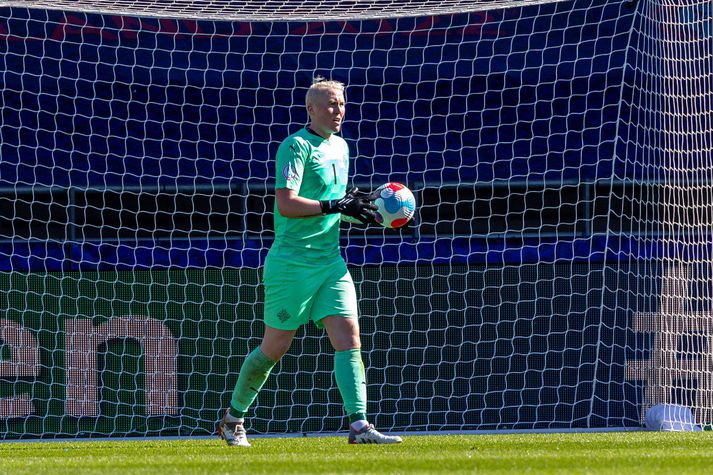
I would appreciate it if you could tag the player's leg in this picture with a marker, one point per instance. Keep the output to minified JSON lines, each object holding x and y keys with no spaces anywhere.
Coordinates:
{"x":288,"y":295}
{"x":257,"y":367}
{"x":337,"y":300}
{"x":348,"y":366}
{"x":351,"y":379}
{"x":253,"y":373}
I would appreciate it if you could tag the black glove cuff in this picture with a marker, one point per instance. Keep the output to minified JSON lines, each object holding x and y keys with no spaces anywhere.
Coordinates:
{"x":329,"y":206}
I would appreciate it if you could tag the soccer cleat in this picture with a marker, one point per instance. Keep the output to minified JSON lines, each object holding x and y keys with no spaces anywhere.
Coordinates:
{"x":232,"y":432}
{"x":369,"y":435}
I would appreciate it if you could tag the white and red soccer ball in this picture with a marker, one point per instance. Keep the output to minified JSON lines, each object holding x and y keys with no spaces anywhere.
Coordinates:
{"x":396,"y":205}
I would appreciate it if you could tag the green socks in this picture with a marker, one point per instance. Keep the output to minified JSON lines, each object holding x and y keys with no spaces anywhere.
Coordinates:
{"x":253,"y":374}
{"x":351,"y":381}
{"x":348,"y":371}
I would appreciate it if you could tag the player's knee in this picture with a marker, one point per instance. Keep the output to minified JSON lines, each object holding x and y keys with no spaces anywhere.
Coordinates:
{"x":345,"y":342}
{"x":273,"y":350}
{"x":275,"y":344}
{"x":343,"y":333}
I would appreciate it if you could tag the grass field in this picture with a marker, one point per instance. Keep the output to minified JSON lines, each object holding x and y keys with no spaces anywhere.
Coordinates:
{"x":630,"y":453}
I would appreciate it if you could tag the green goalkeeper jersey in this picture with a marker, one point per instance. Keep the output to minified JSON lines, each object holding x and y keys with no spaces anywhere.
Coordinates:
{"x":318,"y":169}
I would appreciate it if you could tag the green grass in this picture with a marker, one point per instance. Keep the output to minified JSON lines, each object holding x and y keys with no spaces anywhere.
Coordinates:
{"x":630,"y":453}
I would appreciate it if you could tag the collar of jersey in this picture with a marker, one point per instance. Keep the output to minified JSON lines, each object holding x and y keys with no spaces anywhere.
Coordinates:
{"x":309,"y":129}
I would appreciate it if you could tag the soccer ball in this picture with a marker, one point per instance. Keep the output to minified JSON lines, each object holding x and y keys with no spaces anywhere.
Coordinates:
{"x":396,"y":205}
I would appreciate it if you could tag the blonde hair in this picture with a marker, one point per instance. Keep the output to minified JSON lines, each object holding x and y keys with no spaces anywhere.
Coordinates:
{"x":321,"y":85}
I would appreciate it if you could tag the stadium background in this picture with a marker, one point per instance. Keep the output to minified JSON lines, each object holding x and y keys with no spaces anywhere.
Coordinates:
{"x":487,"y":317}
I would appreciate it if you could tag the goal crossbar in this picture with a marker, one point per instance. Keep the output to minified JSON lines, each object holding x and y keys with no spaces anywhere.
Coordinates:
{"x":277,"y":10}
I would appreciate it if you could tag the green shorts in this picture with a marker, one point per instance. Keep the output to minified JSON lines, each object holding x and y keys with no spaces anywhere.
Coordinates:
{"x":297,"y":291}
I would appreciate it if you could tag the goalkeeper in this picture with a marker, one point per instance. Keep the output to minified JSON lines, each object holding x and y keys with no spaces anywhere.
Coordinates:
{"x":305,"y":276}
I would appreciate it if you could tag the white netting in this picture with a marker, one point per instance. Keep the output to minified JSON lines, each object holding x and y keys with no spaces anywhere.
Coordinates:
{"x":556,"y":274}
{"x":670,"y":93}
{"x":280,"y":10}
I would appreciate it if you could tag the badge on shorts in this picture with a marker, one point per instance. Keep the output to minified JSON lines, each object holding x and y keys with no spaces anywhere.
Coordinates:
{"x":283,"y":315}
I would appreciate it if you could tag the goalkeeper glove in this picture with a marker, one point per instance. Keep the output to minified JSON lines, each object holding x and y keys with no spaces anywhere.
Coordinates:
{"x":354,"y":204}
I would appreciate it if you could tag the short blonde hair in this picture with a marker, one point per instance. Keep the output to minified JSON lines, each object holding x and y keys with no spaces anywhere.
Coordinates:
{"x":320,"y":85}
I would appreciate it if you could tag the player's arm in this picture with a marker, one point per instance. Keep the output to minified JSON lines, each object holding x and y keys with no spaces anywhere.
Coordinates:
{"x":291,"y":205}
{"x":353,"y":204}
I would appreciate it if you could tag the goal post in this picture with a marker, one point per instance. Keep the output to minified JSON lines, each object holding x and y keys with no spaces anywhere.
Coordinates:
{"x":665,"y":148}
{"x":556,"y":276}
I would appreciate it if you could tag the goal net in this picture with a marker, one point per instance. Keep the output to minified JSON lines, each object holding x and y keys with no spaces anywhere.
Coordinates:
{"x":557,"y":275}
